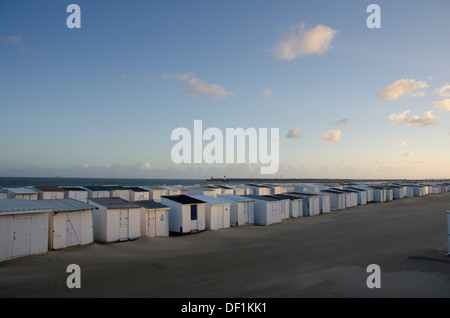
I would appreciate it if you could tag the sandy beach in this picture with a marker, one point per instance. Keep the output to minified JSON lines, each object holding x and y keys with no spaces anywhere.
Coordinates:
{"x":321,"y":256}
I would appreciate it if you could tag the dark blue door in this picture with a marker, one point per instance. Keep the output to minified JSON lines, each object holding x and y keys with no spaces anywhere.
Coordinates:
{"x":193,"y":212}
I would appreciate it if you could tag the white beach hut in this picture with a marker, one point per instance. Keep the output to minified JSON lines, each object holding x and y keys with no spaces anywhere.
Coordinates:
{"x":276,"y":189}
{"x":247,"y":188}
{"x":23,"y":228}
{"x":389,"y":194}
{"x":70,"y":223}
{"x":324,"y":200}
{"x":379,"y":194}
{"x":324,"y":203}
{"x":96,"y":192}
{"x":286,"y":187}
{"x":115,"y":220}
{"x":172,"y":190}
{"x":186,"y":213}
{"x":351,"y":197}
{"x":267,"y":210}
{"x":216,"y":189}
{"x":295,"y":205}
{"x":202,"y":191}
{"x":3,"y":194}
{"x":217,"y":212}
{"x":155,"y":192}
{"x":361,"y":195}
{"x":138,"y":194}
{"x":420,"y":190}
{"x":239,"y":190}
{"x":22,"y":193}
{"x":242,"y":209}
{"x":369,"y":191}
{"x":307,"y":187}
{"x":227,"y":190}
{"x":50,"y":192}
{"x":117,"y":191}
{"x":409,"y":191}
{"x":285,"y":205}
{"x":76,"y":193}
{"x":397,"y":191}
{"x":311,"y":202}
{"x":154,"y":218}
{"x":183,"y":189}
{"x":259,"y":189}
{"x":337,"y":199}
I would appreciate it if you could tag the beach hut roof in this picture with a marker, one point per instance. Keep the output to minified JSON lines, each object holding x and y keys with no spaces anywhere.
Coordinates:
{"x":114,"y":187}
{"x":287,"y":196}
{"x":151,"y":204}
{"x":261,"y":197}
{"x":209,"y":199}
{"x":238,"y":198}
{"x":73,"y":189}
{"x":23,"y":190}
{"x":136,"y":189}
{"x":64,"y":205}
{"x":95,"y":188}
{"x":183,"y":199}
{"x":304,"y":193}
{"x":17,"y":205}
{"x":224,"y":187}
{"x":49,"y":189}
{"x":115,"y":203}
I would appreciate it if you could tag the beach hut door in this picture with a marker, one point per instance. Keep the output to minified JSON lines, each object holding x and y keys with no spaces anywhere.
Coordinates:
{"x":151,"y":224}
{"x":73,"y":226}
{"x":22,"y":236}
{"x":161,"y":223}
{"x":246,"y":213}
{"x":123,"y":230}
{"x":220,"y":216}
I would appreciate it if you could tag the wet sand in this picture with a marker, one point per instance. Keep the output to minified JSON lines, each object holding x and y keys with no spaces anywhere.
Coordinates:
{"x":320,"y":256}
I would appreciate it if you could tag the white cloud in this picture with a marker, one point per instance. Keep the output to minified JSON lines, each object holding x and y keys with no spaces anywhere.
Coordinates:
{"x":417,"y":161}
{"x":266,"y":92}
{"x":294,"y":133}
{"x":401,"y":120}
{"x":400,"y":143}
{"x":15,"y":39}
{"x":302,"y":42}
{"x":444,"y":104}
{"x":341,"y":122}
{"x":408,"y":154}
{"x":403,"y":87}
{"x":378,"y":160}
{"x":166,"y":76}
{"x":150,"y":78}
{"x":85,"y":166}
{"x":185,"y":76}
{"x":443,"y":91}
{"x":126,"y":78}
{"x":331,"y":135}
{"x":199,"y":88}
{"x":146,"y":166}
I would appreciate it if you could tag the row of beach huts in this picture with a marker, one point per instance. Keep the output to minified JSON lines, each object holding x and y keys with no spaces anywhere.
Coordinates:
{"x":36,"y":219}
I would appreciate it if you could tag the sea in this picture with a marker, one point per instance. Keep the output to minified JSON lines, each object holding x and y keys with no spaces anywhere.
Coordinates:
{"x":10,"y":182}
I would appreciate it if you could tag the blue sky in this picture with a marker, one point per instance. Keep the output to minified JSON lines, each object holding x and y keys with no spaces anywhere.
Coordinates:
{"x":102,"y":101}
